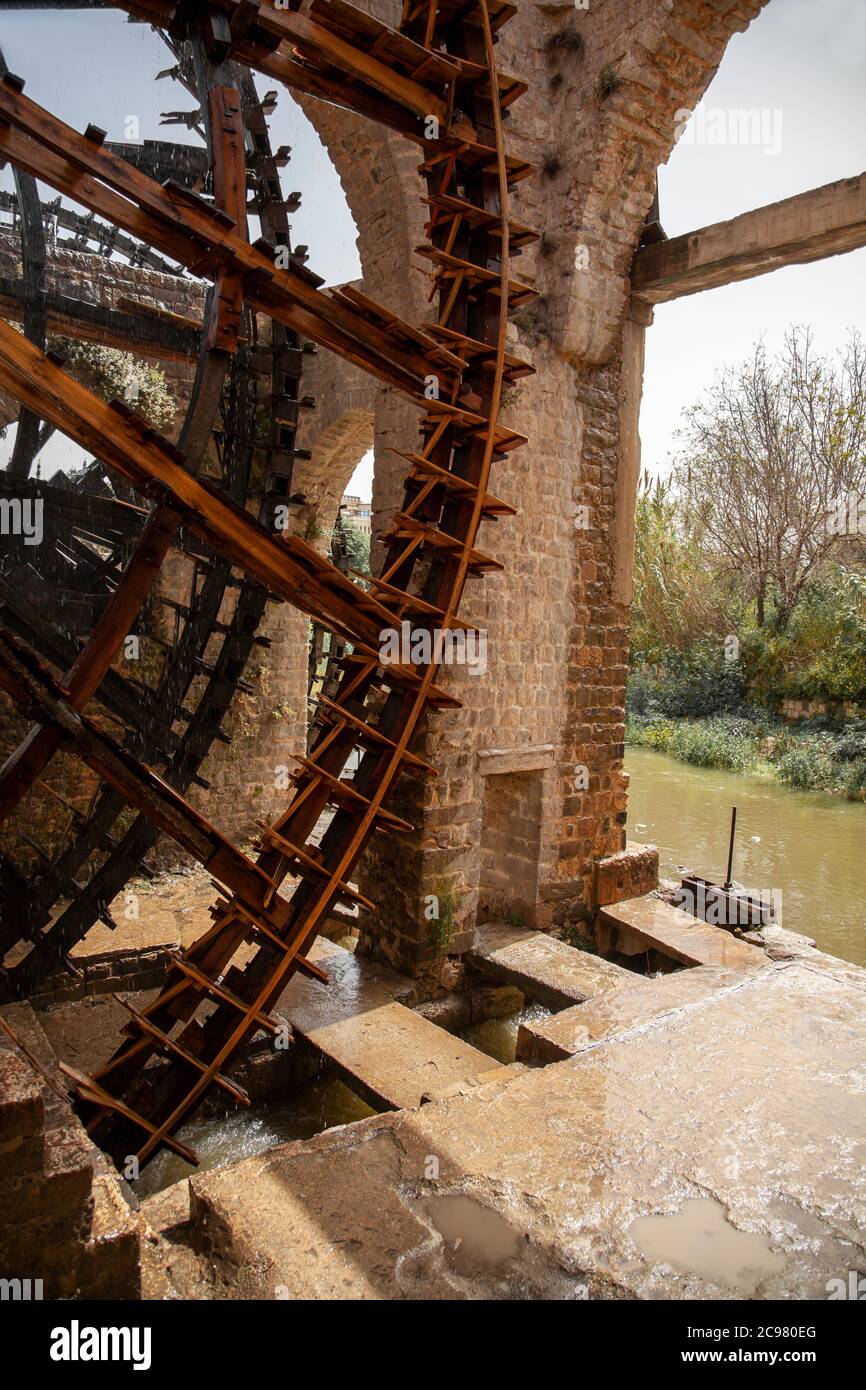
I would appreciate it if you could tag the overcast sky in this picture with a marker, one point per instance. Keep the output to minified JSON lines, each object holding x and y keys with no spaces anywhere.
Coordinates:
{"x":802,"y":64}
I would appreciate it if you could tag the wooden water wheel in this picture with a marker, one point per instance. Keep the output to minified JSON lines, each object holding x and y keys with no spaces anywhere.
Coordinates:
{"x":435,"y":80}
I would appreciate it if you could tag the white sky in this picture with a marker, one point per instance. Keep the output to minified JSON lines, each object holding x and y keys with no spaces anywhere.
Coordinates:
{"x":805,"y":59}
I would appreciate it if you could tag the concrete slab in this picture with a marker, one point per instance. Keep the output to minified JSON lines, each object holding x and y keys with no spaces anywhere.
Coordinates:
{"x":387,"y":1053}
{"x":647,"y":923}
{"x":545,"y":969}
{"x":741,"y":1116}
{"x":561,"y":1035}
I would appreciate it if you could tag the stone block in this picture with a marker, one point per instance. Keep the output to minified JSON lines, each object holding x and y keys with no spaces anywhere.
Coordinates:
{"x":629,"y":874}
{"x":21,"y":1106}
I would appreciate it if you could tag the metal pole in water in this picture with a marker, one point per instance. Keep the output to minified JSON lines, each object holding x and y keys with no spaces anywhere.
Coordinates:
{"x":728,"y":880}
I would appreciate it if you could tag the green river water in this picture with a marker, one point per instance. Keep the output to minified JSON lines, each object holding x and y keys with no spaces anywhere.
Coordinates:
{"x":809,"y":846}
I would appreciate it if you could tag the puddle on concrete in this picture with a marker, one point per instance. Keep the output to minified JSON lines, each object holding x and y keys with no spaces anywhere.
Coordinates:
{"x":498,"y":1036}
{"x":476,"y":1237}
{"x":225,"y":1139}
{"x":699,"y":1239}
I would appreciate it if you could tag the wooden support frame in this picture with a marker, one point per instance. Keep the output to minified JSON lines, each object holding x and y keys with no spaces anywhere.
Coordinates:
{"x":824,"y":222}
{"x":375,"y":710}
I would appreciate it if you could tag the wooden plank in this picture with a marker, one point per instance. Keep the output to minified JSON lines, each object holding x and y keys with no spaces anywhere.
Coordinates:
{"x":168,"y":1044}
{"x":185,"y":227}
{"x":31,"y":686}
{"x":289,"y":567}
{"x":488,"y":170}
{"x":824,"y":222}
{"x":91,"y":1090}
{"x":230,"y":194}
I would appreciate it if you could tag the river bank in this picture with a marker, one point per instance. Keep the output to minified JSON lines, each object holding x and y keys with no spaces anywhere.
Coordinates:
{"x":823,"y":758}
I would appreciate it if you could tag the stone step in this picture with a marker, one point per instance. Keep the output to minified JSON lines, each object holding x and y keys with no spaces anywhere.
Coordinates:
{"x":387,"y":1053}
{"x":543,"y":968}
{"x":650,"y":924}
{"x":565,"y":1034}
{"x":752,"y":1100}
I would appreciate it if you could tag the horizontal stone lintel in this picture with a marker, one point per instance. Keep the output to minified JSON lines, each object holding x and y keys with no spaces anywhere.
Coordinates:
{"x":533,"y":758}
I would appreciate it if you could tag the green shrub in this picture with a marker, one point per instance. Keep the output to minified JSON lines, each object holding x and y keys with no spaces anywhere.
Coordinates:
{"x":698,"y":681}
{"x":640,"y":692}
{"x":802,"y":767}
{"x":822,"y":653}
{"x":854,"y":781}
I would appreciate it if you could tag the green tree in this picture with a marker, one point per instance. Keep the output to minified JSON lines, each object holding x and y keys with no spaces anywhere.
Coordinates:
{"x":678,"y":595}
{"x":357,"y":547}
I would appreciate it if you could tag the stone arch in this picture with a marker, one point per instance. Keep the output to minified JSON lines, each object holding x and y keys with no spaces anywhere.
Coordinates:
{"x":337,"y":435}
{"x":596,"y":188}
{"x":378,"y":172}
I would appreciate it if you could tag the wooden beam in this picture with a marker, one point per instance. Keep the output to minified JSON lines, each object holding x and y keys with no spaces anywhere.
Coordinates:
{"x":33,"y":688}
{"x":207,"y":242}
{"x":151,"y":335}
{"x":824,"y":222}
{"x":289,"y":567}
{"x":319,"y":46}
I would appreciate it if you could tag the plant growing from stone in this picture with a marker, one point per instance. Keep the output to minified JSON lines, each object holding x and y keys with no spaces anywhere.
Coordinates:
{"x":608,"y":82}
{"x":444,"y":925}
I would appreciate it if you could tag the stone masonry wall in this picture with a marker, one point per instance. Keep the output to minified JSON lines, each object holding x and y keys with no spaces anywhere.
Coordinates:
{"x":605,"y":84}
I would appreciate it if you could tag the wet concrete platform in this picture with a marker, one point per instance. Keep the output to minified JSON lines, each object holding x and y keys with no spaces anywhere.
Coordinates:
{"x":547,"y":970}
{"x":650,"y":924}
{"x":544,"y":1040}
{"x":737,"y":1122}
{"x":388,"y":1054}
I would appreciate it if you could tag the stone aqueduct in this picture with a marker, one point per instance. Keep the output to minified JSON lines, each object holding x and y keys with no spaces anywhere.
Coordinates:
{"x":509,"y":826}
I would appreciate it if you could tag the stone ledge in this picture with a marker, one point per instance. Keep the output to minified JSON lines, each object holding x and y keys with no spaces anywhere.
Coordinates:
{"x":544,"y":968}
{"x":544,"y":1040}
{"x":646,"y":923}
{"x":496,"y":761}
{"x":387,"y":1053}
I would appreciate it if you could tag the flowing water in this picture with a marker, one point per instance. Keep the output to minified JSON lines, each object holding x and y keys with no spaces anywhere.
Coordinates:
{"x":498,"y":1036}
{"x":324,"y":1103}
{"x":223,"y":1139}
{"x":808,"y":846}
